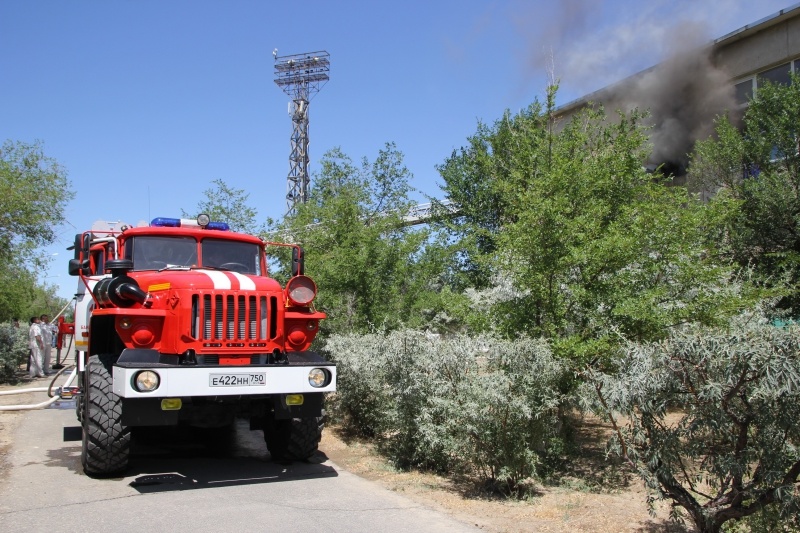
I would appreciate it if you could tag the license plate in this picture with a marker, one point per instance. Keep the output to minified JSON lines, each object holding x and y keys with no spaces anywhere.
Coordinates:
{"x":237,"y":380}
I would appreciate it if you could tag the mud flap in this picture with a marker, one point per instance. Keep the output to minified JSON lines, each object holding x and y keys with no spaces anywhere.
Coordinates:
{"x":147,"y":412}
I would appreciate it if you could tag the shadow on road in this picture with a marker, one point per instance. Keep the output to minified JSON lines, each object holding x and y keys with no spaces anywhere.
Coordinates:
{"x":182,"y":458}
{"x":203,"y":474}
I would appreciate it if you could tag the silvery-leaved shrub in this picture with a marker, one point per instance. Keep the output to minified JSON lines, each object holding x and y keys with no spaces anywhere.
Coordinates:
{"x":361,"y":400}
{"x":709,"y":419}
{"x":479,"y":406}
{"x":13,"y":350}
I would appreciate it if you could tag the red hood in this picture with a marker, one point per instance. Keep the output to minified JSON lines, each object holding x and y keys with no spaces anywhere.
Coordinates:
{"x":200,"y":279}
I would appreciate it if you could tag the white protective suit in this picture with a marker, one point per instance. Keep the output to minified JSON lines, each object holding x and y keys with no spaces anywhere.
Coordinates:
{"x":36,"y":344}
{"x":47,"y":338}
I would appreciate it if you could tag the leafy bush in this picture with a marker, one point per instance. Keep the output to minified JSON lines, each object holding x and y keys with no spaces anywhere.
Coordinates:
{"x":13,"y":350}
{"x":361,"y":402}
{"x":711,"y":419}
{"x":479,"y":406}
{"x":768,"y":520}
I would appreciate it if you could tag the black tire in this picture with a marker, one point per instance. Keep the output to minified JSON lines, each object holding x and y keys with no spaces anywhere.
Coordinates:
{"x":80,"y":405}
{"x":106,"y":442}
{"x":293,"y":439}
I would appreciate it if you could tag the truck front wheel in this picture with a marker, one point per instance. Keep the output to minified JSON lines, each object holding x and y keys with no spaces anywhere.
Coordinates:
{"x":106,"y":442}
{"x":292,"y":439}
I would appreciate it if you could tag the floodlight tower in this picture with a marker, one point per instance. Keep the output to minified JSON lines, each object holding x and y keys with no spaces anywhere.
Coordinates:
{"x":301,"y":76}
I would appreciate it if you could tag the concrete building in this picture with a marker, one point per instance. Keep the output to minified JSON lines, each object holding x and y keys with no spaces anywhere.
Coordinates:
{"x":768,"y":49}
{"x":687,"y":91}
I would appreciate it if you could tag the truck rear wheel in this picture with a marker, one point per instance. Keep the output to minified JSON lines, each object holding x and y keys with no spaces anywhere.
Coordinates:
{"x":293,"y":439}
{"x":106,"y":442}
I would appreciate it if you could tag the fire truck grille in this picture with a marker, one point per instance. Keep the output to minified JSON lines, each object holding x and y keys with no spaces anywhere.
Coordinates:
{"x":231,"y":318}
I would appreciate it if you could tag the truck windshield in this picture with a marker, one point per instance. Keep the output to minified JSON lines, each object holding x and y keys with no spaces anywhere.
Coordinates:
{"x":242,"y":257}
{"x":155,"y":253}
{"x":173,"y":252}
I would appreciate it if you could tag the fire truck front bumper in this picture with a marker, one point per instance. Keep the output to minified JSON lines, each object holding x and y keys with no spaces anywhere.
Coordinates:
{"x":140,"y":380}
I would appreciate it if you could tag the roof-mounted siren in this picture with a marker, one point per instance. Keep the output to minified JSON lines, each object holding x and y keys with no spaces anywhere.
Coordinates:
{"x":202,"y":221}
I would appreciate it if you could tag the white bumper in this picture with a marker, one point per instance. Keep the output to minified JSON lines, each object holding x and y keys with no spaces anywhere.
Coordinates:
{"x":182,"y":382}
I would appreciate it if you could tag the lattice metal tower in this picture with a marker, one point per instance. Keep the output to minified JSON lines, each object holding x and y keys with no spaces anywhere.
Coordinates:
{"x":301,"y":76}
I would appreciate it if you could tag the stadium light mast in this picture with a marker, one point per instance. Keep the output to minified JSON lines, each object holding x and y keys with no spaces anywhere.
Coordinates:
{"x":301,"y":76}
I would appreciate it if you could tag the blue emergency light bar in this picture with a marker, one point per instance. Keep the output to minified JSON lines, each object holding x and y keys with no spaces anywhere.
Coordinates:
{"x":165,"y":222}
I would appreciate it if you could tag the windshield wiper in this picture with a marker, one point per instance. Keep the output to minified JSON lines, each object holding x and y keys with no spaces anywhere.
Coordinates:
{"x":175,"y":267}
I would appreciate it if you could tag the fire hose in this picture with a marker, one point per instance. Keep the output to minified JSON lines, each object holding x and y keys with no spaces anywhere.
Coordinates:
{"x":58,"y":364}
{"x":62,"y":310}
{"x":62,"y":392}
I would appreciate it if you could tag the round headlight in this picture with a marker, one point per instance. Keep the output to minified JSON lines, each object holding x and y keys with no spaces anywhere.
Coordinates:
{"x":146,"y":381}
{"x":301,"y":290}
{"x":203,"y":220}
{"x":317,"y":377}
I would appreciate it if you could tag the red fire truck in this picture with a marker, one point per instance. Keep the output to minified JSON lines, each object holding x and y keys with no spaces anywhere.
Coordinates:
{"x":179,"y":323}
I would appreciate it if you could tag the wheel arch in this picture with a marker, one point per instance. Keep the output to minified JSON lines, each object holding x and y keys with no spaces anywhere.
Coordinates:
{"x":103,"y":337}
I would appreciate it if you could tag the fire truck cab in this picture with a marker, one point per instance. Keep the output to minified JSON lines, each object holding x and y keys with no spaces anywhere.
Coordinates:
{"x":179,"y":322}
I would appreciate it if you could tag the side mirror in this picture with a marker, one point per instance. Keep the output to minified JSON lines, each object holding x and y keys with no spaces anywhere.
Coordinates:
{"x":77,"y":267}
{"x":298,"y":261}
{"x":76,"y":247}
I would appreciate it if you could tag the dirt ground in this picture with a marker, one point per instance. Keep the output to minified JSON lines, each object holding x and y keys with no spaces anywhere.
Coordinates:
{"x":593,"y":496}
{"x":10,"y":419}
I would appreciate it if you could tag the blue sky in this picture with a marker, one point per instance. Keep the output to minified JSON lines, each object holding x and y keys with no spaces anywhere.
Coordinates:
{"x":146,"y":102}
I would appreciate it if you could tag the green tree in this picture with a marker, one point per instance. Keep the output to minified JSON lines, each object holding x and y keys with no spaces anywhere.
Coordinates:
{"x":474,"y":216}
{"x":372,"y":269}
{"x":44,"y":300}
{"x":224,"y":203}
{"x":17,"y":288}
{"x":708,"y":419}
{"x":594,"y":247}
{"x":34,"y":192}
{"x":758,"y":167}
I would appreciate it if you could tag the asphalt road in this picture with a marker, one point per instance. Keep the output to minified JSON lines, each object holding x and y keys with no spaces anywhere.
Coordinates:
{"x":186,"y":481}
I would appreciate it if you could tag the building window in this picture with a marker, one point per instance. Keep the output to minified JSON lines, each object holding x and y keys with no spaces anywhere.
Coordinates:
{"x":779,"y":74}
{"x":744,"y":91}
